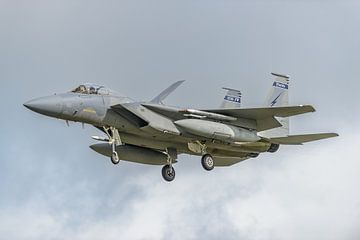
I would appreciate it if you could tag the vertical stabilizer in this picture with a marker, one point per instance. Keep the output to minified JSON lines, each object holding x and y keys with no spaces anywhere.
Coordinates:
{"x":232,"y":99}
{"x":159,"y":98}
{"x":278,"y":97}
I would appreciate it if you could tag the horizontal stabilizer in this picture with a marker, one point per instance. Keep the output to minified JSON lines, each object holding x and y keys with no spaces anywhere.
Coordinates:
{"x":158,"y":99}
{"x":300,"y":139}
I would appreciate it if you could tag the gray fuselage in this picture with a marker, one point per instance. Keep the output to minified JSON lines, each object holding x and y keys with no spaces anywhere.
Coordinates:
{"x":143,"y":127}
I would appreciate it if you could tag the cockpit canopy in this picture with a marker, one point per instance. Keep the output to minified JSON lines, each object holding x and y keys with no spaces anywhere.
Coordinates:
{"x":89,"y":88}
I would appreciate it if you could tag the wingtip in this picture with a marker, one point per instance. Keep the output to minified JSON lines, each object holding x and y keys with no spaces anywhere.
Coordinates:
{"x":180,"y":81}
{"x":310,"y":107}
{"x":280,"y":75}
{"x":330,"y":135}
{"x":231,"y":89}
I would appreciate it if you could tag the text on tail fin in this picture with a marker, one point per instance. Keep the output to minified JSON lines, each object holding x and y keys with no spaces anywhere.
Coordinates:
{"x":232,"y":99}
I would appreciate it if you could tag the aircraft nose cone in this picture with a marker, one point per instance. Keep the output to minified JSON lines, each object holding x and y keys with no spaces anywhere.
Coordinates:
{"x":50,"y":106}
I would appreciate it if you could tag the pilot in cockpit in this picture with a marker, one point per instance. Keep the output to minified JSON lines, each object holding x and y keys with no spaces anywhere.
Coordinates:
{"x":80,"y":89}
{"x":92,"y":90}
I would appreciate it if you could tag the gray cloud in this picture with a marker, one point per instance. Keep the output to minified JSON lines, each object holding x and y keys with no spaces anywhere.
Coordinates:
{"x":310,"y":195}
{"x":52,"y":186}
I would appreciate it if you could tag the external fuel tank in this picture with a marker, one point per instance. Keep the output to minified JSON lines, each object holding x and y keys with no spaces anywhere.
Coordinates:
{"x":216,"y":130}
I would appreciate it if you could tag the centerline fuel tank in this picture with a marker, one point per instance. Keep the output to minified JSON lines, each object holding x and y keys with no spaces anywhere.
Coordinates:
{"x":216,"y":130}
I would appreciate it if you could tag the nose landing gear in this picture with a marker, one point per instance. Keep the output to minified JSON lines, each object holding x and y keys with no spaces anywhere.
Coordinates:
{"x":115,"y":158}
{"x":114,"y":140}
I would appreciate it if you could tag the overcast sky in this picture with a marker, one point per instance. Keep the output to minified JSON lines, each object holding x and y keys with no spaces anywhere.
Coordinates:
{"x":52,"y":186}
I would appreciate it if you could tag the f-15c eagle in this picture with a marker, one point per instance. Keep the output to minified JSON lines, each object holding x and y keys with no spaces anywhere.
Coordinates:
{"x":153,"y":133}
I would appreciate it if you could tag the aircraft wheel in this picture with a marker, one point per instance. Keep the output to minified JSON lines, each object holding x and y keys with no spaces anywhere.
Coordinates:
{"x":254,"y":155}
{"x":207,"y":162}
{"x":273,"y":148}
{"x":168,"y":173}
{"x":115,"y":158}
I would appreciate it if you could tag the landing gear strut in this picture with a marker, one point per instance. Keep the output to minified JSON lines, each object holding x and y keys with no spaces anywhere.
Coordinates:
{"x":168,"y":172}
{"x":114,"y":140}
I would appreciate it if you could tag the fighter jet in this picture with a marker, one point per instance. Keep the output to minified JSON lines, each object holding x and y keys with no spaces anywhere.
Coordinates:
{"x":156,"y":134}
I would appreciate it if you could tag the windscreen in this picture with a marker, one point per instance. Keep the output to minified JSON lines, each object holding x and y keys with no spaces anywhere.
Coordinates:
{"x":91,"y":89}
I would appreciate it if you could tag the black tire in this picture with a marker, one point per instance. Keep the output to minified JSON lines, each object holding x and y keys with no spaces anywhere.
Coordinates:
{"x":168,"y":173}
{"x":207,"y":161}
{"x":115,"y":158}
{"x":254,"y":155}
{"x":273,"y":148}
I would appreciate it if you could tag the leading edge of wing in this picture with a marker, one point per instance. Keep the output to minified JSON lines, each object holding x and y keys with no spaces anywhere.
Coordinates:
{"x":263,"y":113}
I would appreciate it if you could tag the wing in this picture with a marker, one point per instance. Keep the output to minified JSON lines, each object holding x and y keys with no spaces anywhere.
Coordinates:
{"x":262,"y":113}
{"x":264,"y":117}
{"x":255,"y":118}
{"x":300,"y":139}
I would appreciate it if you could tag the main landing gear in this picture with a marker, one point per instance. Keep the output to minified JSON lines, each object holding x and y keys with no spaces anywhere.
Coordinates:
{"x":207,"y":162}
{"x":114,"y":140}
{"x":168,"y":172}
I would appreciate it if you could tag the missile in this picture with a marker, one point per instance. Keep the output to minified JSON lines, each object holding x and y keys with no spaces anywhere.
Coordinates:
{"x":204,"y":114}
{"x":97,"y":138}
{"x":216,"y":130}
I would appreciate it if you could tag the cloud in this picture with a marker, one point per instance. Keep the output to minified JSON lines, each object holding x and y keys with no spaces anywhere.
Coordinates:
{"x":304,"y":193}
{"x":53,"y":187}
